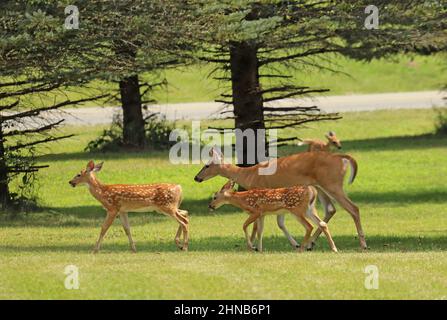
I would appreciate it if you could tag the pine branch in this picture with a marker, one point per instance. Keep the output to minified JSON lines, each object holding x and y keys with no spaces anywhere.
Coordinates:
{"x":30,"y":144}
{"x":295,"y":93}
{"x":34,"y":130}
{"x":10,"y":106}
{"x":287,"y":109}
{"x":43,"y":87}
{"x":223,"y":101}
{"x":297,"y":55}
{"x":35,"y":112}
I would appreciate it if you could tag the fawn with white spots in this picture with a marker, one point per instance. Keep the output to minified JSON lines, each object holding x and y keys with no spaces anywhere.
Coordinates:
{"x":298,"y":200}
{"x":323,"y":170}
{"x":318,"y":145}
{"x":119,"y":199}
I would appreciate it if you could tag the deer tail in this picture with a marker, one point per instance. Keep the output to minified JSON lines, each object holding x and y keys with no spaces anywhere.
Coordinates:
{"x":347,"y":159}
{"x":302,"y":142}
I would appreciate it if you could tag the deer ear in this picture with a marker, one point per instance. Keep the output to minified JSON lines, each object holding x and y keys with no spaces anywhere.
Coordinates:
{"x":216,"y":155}
{"x":98,"y":167}
{"x":227,"y":186}
{"x":90,"y":166}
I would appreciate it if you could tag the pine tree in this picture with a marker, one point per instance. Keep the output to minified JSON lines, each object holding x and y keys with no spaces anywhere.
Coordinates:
{"x":259,"y":43}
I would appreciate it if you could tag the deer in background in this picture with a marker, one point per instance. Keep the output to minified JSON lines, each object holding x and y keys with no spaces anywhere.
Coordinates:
{"x":318,"y":145}
{"x":298,"y":200}
{"x":119,"y":199}
{"x":324,"y":170}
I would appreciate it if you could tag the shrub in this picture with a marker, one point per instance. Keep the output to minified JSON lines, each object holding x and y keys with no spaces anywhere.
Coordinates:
{"x":441,"y":121}
{"x":157,"y":131}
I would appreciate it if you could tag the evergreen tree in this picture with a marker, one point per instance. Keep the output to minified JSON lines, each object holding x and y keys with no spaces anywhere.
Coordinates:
{"x":259,"y":43}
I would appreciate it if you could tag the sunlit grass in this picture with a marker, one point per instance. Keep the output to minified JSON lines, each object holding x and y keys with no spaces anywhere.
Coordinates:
{"x":400,"y":189}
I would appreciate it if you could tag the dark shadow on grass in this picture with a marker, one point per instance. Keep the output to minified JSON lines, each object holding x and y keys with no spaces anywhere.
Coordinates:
{"x":272,"y":244}
{"x":105,"y":156}
{"x":399,"y":197}
{"x":377,"y":144}
{"x":196,"y":207}
{"x":396,"y":143}
{"x":78,"y":216}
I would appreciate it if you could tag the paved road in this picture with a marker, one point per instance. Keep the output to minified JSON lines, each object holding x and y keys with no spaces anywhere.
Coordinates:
{"x":204,"y":110}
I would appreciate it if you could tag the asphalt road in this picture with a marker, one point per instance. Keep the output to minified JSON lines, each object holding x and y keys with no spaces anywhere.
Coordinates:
{"x":205,"y":110}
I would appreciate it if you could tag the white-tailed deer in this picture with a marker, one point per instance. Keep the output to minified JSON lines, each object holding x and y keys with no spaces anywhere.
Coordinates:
{"x":324,"y":170}
{"x":298,"y":200}
{"x":318,"y":145}
{"x":119,"y":199}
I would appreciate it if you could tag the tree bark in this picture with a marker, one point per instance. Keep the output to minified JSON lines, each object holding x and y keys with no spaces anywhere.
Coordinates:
{"x":247,"y":97}
{"x":5,"y":197}
{"x":133,"y":122}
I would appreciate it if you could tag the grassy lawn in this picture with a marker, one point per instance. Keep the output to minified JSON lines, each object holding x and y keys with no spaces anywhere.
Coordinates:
{"x":193,"y":84}
{"x":401,"y":74}
{"x":400,"y":190}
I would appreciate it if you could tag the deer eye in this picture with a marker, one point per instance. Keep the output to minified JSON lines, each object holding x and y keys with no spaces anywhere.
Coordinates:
{"x":207,"y":166}
{"x":78,"y":175}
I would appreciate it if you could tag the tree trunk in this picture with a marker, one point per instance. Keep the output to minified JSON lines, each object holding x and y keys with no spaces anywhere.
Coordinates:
{"x":247,"y":99}
{"x":4,"y":189}
{"x":133,"y":123}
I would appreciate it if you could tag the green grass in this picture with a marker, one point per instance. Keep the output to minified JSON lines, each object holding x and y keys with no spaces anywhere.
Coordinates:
{"x":401,"y":74}
{"x":193,"y":83}
{"x":400,"y":190}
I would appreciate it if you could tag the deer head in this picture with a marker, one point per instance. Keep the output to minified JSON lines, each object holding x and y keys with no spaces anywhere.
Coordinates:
{"x":211,"y":169}
{"x":220,"y":198}
{"x":84,"y":177}
{"x":332,"y":138}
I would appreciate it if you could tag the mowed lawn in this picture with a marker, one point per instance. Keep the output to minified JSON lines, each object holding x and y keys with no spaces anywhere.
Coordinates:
{"x":194,"y":83}
{"x":401,"y":190}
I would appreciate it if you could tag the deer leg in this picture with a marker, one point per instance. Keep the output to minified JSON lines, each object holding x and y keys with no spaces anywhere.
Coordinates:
{"x":184,"y":216}
{"x":313,"y":215}
{"x":184,"y":226}
{"x":329,"y":211}
{"x":308,"y":228}
{"x":125,"y":222}
{"x":280,"y":220}
{"x":177,"y":237}
{"x":260,"y":232}
{"x":339,"y":195}
{"x":254,"y":231}
{"x":252,"y":218}
{"x":105,"y":226}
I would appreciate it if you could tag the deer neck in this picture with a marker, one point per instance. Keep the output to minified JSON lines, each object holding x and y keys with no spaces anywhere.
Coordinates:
{"x":235,"y":200}
{"x":96,"y":188}
{"x":240,"y":175}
